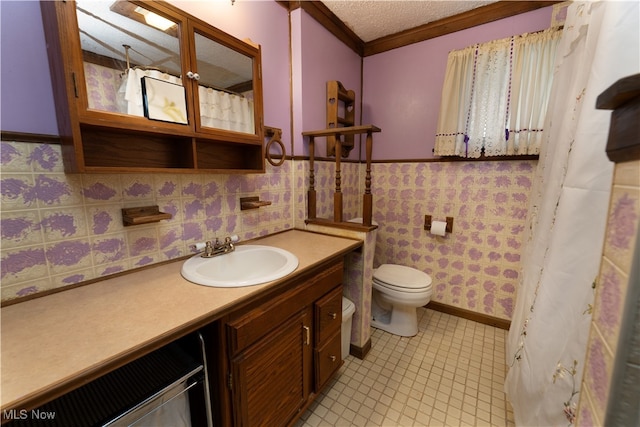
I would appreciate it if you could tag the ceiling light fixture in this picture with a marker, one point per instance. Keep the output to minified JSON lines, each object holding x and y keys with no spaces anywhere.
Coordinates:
{"x":154,"y":19}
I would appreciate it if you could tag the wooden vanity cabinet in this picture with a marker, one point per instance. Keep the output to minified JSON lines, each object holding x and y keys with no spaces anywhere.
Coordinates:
{"x":100,"y":138}
{"x":282,"y":349}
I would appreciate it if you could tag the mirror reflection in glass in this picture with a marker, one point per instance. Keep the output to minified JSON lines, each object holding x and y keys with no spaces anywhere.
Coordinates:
{"x":123,"y":42}
{"x":119,"y":47}
{"x":225,"y":97}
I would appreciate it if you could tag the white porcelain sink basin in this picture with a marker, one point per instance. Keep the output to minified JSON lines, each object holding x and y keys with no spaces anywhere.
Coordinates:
{"x":247,"y":265}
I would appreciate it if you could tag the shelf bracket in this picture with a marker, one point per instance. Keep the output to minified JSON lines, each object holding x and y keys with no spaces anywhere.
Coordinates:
{"x":252,"y":203}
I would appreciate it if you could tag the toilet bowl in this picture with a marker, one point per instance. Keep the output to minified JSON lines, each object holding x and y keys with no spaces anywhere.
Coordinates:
{"x":397,"y":292}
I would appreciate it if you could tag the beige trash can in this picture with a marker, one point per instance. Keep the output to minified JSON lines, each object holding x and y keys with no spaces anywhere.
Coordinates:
{"x":348,"y":308}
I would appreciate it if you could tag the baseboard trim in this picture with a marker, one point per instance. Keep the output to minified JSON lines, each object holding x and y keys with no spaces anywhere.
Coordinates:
{"x":360,"y":352}
{"x":470,"y":315}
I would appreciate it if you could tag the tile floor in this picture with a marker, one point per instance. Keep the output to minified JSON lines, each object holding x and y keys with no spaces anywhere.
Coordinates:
{"x":450,"y":374}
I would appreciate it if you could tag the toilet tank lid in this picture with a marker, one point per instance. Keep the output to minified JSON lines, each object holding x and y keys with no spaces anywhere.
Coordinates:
{"x":400,"y":275}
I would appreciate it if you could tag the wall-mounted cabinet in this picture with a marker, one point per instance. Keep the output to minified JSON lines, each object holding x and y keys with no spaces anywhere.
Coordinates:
{"x":144,"y":86}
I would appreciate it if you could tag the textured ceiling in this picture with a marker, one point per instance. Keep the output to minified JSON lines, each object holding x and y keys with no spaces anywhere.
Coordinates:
{"x":372,"y":19}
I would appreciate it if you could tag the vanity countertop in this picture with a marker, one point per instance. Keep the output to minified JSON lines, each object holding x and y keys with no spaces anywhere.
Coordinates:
{"x":55,"y":343}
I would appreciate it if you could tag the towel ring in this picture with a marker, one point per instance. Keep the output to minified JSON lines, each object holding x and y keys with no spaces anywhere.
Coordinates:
{"x":276,"y":136}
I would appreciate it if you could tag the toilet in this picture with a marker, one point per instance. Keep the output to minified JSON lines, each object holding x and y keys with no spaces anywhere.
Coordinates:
{"x":397,"y":292}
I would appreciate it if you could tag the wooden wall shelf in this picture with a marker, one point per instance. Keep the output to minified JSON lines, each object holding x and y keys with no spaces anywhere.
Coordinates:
{"x":340,"y":101}
{"x":143,"y":215}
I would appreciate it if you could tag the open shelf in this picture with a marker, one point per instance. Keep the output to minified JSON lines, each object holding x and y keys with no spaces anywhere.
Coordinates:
{"x":111,"y":147}
{"x":222,"y":155}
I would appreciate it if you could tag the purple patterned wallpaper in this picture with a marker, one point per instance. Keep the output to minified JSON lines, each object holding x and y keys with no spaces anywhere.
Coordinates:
{"x":477,"y":267}
{"x":612,"y":286}
{"x":60,"y":229}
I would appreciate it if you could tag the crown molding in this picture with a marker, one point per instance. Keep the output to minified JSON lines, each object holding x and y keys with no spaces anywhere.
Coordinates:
{"x":472,"y":18}
{"x":481,"y":15}
{"x":321,"y":13}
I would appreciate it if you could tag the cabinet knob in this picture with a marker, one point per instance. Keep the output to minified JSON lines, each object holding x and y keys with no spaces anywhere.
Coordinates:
{"x":192,"y":75}
{"x":333,"y":358}
{"x":333,"y":316}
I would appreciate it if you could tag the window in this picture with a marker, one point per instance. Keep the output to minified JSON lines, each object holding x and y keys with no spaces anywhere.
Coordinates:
{"x":495,"y":95}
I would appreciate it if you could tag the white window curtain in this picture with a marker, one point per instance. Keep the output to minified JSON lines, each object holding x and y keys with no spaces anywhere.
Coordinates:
{"x":495,"y":95}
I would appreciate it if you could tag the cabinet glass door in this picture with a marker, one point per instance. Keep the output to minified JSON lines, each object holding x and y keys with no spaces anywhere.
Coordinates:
{"x":225,"y":86}
{"x":131,"y":60}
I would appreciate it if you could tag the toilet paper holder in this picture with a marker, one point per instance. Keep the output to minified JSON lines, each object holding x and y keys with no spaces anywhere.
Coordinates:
{"x":448,"y":228}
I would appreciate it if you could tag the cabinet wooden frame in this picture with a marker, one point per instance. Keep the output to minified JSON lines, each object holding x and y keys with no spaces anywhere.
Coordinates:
{"x":280,"y":332}
{"x":96,"y":141}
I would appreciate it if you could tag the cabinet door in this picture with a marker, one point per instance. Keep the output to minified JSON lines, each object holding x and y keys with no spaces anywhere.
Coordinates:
{"x":131,"y":61}
{"x":271,"y":380}
{"x":224,"y":75}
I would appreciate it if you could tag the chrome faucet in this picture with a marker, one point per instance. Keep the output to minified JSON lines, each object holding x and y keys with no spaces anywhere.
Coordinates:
{"x":217,"y":247}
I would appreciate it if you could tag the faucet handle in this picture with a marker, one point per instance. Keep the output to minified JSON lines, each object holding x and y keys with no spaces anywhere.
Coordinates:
{"x":200,"y":246}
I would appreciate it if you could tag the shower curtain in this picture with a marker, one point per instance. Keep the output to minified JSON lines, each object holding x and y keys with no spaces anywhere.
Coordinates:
{"x":224,"y":110}
{"x":547,"y":341}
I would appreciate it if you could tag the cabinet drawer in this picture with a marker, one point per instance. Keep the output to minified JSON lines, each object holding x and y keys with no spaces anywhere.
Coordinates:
{"x":328,"y":315}
{"x":328,"y":360}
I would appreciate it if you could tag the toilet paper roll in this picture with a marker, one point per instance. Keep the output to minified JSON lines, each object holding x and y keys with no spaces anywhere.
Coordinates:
{"x":438,"y":228}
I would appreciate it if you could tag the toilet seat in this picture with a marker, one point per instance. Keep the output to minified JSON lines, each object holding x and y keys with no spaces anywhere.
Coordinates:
{"x":401,"y":278}
{"x":391,"y":288}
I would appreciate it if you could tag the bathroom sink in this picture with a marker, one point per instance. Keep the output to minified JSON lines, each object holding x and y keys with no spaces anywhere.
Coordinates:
{"x":247,"y":265}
